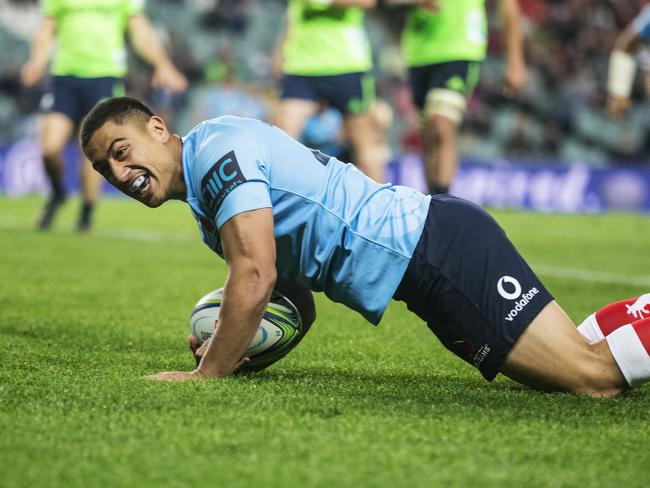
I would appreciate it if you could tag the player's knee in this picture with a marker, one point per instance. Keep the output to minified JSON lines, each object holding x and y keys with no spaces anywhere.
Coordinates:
{"x":447,"y":104}
{"x":595,"y":376}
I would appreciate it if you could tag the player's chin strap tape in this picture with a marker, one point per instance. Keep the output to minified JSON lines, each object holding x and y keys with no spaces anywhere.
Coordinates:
{"x":620,"y":76}
{"x":447,"y":103}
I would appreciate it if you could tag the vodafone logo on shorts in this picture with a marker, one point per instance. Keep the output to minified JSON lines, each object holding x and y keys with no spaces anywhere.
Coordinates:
{"x":514,"y":286}
{"x":510,"y":289}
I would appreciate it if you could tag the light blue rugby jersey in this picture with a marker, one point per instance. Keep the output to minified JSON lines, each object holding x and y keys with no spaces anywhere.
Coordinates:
{"x":641,"y":24}
{"x":336,"y":230}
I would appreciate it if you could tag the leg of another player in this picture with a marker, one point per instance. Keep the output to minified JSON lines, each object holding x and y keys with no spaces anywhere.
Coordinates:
{"x":56,"y":130}
{"x":440,"y":153}
{"x":91,"y":187}
{"x":552,"y":355}
{"x":368,"y":146}
{"x":291,"y":115}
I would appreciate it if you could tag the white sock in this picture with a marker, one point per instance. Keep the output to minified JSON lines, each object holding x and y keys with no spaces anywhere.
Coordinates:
{"x":630,"y":353}
{"x":591,"y":330}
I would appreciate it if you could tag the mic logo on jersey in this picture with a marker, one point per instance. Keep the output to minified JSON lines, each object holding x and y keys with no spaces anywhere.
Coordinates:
{"x":224,"y":176}
{"x":515,"y":286}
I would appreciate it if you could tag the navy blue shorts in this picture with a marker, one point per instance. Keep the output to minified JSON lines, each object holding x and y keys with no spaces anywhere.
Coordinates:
{"x":350,"y":93}
{"x":75,"y":97}
{"x":459,"y":76}
{"x":471,"y":286}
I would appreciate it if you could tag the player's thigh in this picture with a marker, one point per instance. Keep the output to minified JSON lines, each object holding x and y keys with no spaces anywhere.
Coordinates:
{"x":298,"y":102}
{"x":552,"y":355}
{"x":360,"y":129}
{"x":56,"y":130}
{"x":291,"y":115}
{"x":470,"y":284}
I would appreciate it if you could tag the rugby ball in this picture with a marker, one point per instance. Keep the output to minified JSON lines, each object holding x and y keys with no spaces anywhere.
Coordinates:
{"x":280,"y":330}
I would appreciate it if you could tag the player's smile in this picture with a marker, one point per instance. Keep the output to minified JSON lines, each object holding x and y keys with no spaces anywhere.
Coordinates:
{"x":138,"y":187}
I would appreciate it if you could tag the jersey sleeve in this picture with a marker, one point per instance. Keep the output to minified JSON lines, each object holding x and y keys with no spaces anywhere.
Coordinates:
{"x":231,"y":174}
{"x":641,"y":24}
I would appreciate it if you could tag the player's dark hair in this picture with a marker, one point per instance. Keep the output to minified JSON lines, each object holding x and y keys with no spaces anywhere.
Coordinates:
{"x":117,"y":110}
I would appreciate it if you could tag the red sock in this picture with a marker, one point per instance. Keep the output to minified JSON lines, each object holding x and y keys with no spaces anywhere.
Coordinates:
{"x":609,"y":318}
{"x":642,"y":329}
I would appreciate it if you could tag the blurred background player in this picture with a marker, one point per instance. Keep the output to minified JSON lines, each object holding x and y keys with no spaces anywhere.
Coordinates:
{"x":622,"y":63}
{"x":443,"y":43}
{"x":326,"y":57}
{"x":88,"y":65}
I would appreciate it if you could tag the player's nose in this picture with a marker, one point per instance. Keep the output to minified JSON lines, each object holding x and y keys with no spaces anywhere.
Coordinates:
{"x":120,"y":174}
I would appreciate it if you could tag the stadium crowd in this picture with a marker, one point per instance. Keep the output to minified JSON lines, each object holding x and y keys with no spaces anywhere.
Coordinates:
{"x":225,"y":49}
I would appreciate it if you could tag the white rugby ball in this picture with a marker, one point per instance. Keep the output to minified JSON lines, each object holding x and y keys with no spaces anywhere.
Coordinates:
{"x":278,"y":333}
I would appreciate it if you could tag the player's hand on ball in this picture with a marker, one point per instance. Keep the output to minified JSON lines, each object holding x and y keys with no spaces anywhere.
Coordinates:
{"x":198,"y":349}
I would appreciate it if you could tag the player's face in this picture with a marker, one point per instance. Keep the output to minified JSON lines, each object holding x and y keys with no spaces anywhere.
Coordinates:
{"x":139,"y":159}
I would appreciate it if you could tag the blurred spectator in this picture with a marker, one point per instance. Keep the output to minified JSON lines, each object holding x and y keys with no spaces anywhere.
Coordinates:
{"x":86,"y":44}
{"x":326,"y":59}
{"x":560,"y":116}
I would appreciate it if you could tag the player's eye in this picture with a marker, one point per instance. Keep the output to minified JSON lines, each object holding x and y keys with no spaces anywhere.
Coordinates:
{"x":120,"y":153}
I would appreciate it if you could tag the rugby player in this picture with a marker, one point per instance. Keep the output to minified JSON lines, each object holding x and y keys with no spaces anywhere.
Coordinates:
{"x":622,"y":63}
{"x":272,"y":207}
{"x":89,"y":63}
{"x":326,"y":58}
{"x":443,"y":44}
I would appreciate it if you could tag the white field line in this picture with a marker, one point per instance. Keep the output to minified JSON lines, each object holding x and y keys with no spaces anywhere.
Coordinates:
{"x":143,"y":235}
{"x":124,"y":234}
{"x":589,"y":276}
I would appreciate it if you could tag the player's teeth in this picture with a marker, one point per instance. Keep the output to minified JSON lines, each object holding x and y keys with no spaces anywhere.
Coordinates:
{"x":138,"y":181}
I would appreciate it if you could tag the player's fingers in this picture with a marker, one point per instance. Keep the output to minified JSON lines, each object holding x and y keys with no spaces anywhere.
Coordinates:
{"x":194,"y":343}
{"x":204,"y":347}
{"x":242,"y":362}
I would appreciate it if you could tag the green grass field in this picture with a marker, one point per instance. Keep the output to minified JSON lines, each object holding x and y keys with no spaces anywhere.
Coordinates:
{"x":84,"y":317}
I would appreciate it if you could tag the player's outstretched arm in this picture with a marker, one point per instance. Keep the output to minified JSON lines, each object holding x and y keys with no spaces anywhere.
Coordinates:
{"x":148,"y":46}
{"x":515,"y":75}
{"x":41,"y":49}
{"x":249,"y":248}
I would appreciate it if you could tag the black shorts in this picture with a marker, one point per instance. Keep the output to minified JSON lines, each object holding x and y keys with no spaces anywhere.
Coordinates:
{"x":459,"y":76}
{"x":75,"y":97}
{"x":470,"y":285}
{"x":350,"y":93}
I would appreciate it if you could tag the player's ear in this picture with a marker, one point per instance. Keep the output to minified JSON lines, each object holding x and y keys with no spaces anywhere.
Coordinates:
{"x":157,"y":126}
